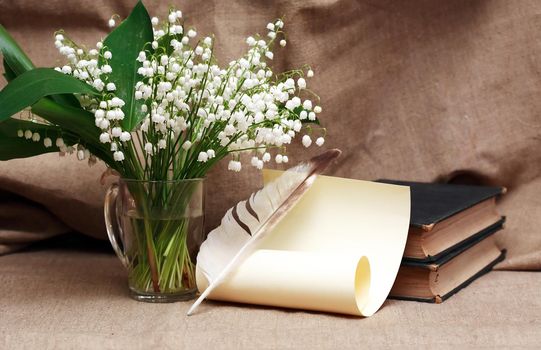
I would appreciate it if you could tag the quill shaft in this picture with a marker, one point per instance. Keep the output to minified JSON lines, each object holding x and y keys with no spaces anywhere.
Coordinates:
{"x":221,"y":276}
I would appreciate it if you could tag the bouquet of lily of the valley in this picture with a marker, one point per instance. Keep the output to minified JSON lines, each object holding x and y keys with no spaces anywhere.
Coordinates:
{"x":151,"y":101}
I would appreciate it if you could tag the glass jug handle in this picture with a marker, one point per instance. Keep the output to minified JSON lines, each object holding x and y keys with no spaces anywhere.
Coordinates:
{"x":112,"y":223}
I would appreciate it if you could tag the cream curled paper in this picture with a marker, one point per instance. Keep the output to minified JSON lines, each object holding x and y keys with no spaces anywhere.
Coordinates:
{"x":296,"y":279}
{"x":337,"y":250}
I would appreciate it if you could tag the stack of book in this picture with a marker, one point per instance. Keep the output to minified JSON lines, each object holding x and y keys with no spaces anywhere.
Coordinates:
{"x":450,"y":240}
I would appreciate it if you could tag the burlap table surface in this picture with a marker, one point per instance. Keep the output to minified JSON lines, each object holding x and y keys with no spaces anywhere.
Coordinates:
{"x":414,"y":90}
{"x":61,"y":303}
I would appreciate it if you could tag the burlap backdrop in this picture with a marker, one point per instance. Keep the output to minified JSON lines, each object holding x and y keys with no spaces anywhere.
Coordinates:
{"x":417,"y":90}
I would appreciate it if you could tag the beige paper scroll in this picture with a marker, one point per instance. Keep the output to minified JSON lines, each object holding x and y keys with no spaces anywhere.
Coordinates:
{"x":301,"y":280}
{"x":314,"y":259}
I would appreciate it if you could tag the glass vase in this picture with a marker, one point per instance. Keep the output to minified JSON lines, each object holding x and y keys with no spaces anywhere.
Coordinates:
{"x":156,"y":229}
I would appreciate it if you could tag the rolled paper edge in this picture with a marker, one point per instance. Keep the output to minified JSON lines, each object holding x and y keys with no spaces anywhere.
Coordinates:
{"x":363,"y":276}
{"x":356,"y":294}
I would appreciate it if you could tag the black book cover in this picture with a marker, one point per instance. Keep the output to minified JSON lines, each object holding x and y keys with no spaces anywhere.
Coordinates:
{"x":434,"y":202}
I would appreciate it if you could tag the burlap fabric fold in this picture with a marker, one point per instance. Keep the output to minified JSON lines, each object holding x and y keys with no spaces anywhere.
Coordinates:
{"x":414,"y":90}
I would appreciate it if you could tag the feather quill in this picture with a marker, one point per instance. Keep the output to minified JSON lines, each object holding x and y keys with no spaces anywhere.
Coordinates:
{"x":228,"y":245}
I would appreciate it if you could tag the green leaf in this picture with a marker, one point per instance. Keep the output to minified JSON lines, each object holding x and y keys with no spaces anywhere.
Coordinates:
{"x":78,"y":122}
{"x":8,"y":72}
{"x":67,"y":99}
{"x":125,"y":43}
{"x":16,"y":62}
{"x":12,"y":146}
{"x":14,"y":56}
{"x":67,"y":115}
{"x":31,"y":86}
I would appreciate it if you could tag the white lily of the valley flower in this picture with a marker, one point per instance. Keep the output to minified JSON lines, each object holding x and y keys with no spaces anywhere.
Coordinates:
{"x":306,"y":141}
{"x":118,"y":156}
{"x":105,"y":137}
{"x":234,"y":165}
{"x":203,"y":157}
{"x":149,"y":149}
{"x":193,"y":109}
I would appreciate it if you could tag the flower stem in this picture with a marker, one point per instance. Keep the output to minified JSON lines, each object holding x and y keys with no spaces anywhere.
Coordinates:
{"x":151,"y":252}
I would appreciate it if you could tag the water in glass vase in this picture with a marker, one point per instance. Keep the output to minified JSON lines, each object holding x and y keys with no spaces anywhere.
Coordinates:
{"x":156,"y":229}
{"x":161,"y":256}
